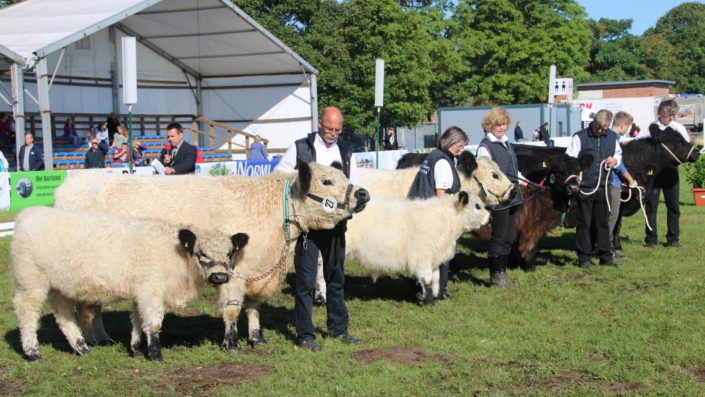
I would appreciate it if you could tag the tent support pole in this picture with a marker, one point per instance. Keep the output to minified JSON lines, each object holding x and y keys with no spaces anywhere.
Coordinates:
{"x":17,"y":78}
{"x":45,"y":112}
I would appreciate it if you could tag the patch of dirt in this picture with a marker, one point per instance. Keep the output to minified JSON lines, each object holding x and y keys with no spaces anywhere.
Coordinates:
{"x":570,"y":379}
{"x":202,"y":380}
{"x":11,"y":388}
{"x":616,"y":387}
{"x":399,"y":355}
{"x":699,"y":373}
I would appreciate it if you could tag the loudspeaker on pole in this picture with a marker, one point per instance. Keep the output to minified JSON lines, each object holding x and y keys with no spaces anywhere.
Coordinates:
{"x":379,"y":82}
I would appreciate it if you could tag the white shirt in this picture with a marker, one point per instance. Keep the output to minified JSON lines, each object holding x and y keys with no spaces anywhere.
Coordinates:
{"x":645,"y":133}
{"x":483,"y":152}
{"x":324,"y":156}
{"x":574,"y":149}
{"x":443,"y":174}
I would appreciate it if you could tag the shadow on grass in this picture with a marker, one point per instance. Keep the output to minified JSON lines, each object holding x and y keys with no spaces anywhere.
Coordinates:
{"x":185,"y":331}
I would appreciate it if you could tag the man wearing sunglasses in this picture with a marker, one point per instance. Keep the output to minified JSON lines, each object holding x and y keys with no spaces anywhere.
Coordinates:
{"x":323,"y":147}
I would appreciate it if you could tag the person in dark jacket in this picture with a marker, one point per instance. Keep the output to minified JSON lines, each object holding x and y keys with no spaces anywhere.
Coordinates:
{"x":601,"y":142}
{"x":183,"y":154}
{"x":437,"y":177}
{"x":518,"y":133}
{"x":31,"y":157}
{"x":496,"y":146}
{"x":390,"y":140}
{"x":95,"y":156}
{"x":322,"y":147}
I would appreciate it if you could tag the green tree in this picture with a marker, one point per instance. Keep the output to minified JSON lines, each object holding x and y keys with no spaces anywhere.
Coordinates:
{"x":675,"y":47}
{"x":509,"y":46}
{"x":616,"y":54}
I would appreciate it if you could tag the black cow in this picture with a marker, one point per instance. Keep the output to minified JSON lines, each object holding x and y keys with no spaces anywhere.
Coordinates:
{"x":546,"y":205}
{"x":644,"y":159}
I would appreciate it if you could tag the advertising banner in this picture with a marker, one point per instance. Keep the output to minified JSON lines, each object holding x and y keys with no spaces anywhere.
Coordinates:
{"x":34,"y":188}
{"x":238,"y":167}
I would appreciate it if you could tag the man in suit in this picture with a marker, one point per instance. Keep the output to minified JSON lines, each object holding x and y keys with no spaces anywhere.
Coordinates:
{"x":30,"y":157}
{"x":390,"y":141}
{"x":183,"y":154}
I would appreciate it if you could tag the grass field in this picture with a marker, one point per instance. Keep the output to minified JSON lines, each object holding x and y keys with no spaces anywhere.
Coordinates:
{"x":637,"y":330}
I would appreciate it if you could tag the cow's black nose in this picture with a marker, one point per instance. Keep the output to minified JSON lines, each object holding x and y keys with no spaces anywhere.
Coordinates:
{"x":218,"y":278}
{"x":362,"y":195}
{"x":572,"y":188}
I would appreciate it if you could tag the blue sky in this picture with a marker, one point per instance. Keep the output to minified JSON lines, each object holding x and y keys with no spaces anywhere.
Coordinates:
{"x":644,"y":13}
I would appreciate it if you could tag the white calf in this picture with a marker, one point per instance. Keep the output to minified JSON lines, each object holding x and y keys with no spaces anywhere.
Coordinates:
{"x":75,"y":257}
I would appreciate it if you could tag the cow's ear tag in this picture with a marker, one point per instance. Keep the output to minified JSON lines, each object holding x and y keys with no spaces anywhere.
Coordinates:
{"x":329,"y":204}
{"x":544,"y":165}
{"x":650,"y":172}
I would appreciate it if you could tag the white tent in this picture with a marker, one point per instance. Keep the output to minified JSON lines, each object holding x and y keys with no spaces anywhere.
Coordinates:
{"x":211,"y":43}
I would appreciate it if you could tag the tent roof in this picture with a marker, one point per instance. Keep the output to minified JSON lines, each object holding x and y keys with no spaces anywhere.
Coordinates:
{"x":207,"y":38}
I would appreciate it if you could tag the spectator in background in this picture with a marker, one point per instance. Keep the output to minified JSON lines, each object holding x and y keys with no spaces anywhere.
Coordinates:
{"x":138,"y":154}
{"x":112,"y":123}
{"x":70,"y":131}
{"x":121,"y":157}
{"x":30,"y":157}
{"x":121,"y":137}
{"x":95,"y":156}
{"x":543,"y":133}
{"x":257,"y":150}
{"x":390,"y":140}
{"x":183,"y":154}
{"x":102,"y":134}
{"x":518,"y":133}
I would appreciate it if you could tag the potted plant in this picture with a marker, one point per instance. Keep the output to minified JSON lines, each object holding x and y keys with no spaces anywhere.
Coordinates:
{"x":695,"y":174}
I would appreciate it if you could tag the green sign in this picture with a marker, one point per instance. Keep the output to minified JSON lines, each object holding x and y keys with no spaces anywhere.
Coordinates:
{"x":28,"y":189}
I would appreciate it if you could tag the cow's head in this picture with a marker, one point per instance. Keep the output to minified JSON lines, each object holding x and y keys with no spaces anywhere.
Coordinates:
{"x":677,"y":149}
{"x":213,"y":254}
{"x":322,"y":197}
{"x":473,"y":211}
{"x":562,"y":172}
{"x":495,"y":187}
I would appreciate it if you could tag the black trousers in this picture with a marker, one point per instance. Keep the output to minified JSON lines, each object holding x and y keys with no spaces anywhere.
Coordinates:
{"x":667,"y":181}
{"x":331,"y":245}
{"x":592,"y":210}
{"x":504,"y":231}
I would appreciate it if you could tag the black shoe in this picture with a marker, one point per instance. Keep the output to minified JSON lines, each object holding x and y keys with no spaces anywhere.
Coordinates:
{"x":348,"y":339}
{"x":673,"y":244}
{"x":649,"y":245}
{"x":617,"y":255}
{"x":308,"y":344}
{"x":443,"y":296}
{"x":585,"y":264}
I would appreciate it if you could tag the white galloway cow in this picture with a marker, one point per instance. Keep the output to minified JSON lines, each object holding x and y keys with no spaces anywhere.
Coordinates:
{"x":417,"y":236}
{"x":76,"y":257}
{"x":316,"y":197}
{"x":479,"y":177}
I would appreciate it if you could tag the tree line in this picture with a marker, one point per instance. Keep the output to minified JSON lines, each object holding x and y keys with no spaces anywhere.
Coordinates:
{"x":480,"y":52}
